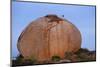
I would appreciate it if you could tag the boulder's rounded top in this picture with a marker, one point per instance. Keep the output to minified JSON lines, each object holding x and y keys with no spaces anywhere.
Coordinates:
{"x":53,"y":17}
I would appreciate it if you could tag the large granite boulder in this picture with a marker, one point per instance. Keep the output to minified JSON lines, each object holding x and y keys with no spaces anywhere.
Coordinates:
{"x":48,"y":36}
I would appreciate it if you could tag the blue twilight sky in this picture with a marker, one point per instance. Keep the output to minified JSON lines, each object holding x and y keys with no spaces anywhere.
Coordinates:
{"x":83,"y":17}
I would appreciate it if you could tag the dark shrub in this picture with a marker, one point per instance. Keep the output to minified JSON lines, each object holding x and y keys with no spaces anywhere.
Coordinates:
{"x":68,"y":55}
{"x":56,"y":58}
{"x":81,"y":50}
{"x":20,"y":61}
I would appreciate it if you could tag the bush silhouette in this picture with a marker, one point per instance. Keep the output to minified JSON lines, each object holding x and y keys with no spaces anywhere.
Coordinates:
{"x":55,"y":58}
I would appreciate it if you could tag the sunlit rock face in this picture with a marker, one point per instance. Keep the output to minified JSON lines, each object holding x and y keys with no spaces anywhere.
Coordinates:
{"x":48,"y":36}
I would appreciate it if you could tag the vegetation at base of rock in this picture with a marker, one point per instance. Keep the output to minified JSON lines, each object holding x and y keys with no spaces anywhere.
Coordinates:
{"x":86,"y":55}
{"x":82,"y":55}
{"x":20,"y":61}
{"x":56,"y":58}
